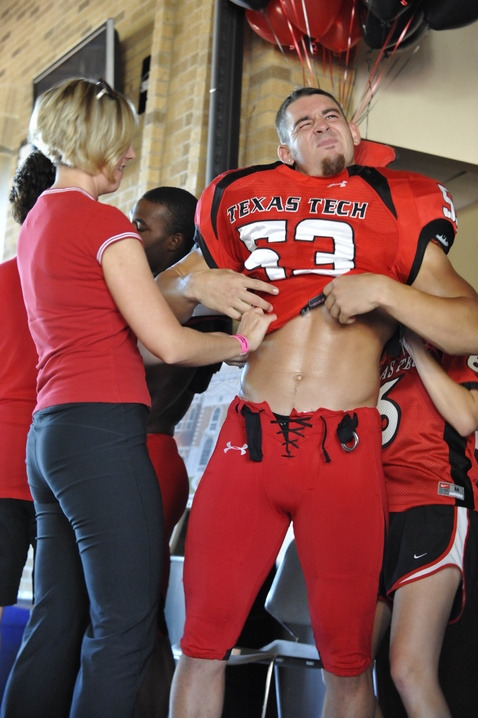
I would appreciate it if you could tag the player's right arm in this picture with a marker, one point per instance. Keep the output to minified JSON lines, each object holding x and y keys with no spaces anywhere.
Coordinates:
{"x":440,"y":306}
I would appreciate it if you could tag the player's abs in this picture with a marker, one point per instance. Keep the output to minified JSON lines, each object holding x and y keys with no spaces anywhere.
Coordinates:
{"x":314,"y":362}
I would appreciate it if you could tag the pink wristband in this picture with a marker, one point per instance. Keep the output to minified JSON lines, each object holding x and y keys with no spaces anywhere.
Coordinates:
{"x":243,"y":342}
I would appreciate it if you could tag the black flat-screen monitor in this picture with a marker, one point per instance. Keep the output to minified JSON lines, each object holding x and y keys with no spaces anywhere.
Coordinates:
{"x":97,"y":55}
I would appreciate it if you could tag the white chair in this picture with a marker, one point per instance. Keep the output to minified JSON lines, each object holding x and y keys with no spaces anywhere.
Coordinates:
{"x":287,"y":603}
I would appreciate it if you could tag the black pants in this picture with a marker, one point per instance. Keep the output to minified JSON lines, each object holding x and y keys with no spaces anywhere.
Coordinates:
{"x":98,"y":564}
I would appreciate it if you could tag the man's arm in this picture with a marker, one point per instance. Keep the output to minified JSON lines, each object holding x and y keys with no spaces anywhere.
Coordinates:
{"x":456,"y":403}
{"x":440,"y":306}
{"x":190,"y":282}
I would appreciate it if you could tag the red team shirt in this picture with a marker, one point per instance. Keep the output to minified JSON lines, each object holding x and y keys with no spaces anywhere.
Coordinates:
{"x":425,"y":460}
{"x":17,"y":385}
{"x":87,"y":352}
{"x":252,"y":220}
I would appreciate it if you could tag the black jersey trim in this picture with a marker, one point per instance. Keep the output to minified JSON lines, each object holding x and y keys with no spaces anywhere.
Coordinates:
{"x":208,"y":258}
{"x":439,"y":231}
{"x":228,"y":179}
{"x":460,"y":464}
{"x":377,"y":182}
{"x":442,"y":233}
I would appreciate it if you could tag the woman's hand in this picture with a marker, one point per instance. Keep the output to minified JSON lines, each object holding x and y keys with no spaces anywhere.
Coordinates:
{"x":229,"y":292}
{"x":253,"y":326}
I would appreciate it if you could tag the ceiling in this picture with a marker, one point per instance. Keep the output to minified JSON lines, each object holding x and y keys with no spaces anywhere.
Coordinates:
{"x":460,"y":178}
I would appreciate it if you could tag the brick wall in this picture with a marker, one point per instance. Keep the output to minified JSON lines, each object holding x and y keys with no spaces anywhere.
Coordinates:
{"x":171,"y":141}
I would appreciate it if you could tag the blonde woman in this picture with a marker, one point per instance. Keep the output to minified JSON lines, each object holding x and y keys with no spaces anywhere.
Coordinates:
{"x":89,"y":295}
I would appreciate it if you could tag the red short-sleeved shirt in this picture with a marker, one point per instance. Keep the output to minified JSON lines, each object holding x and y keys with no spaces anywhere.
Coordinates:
{"x":17,"y":384}
{"x":86,"y":350}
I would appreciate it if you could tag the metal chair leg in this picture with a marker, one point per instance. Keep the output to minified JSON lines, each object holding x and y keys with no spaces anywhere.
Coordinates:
{"x":267,"y":689}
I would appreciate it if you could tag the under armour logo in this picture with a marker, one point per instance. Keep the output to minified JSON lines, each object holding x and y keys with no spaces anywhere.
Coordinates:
{"x":338,"y":184}
{"x":229,"y":446}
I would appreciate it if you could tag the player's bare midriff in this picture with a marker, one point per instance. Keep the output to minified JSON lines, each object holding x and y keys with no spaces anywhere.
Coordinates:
{"x":314,"y":362}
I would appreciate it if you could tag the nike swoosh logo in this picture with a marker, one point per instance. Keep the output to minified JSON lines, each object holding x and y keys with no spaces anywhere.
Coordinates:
{"x":421,"y":555}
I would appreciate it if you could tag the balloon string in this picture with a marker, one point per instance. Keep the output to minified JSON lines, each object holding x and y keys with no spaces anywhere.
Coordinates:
{"x":369,"y":91}
{"x":349,"y":38}
{"x":274,"y":34}
{"x":306,"y":17}
{"x":349,"y":79}
{"x":375,"y":77}
{"x":313,"y":75}
{"x":296,"y":46}
{"x":347,"y":83}
{"x":400,"y":70}
{"x":306,"y":54}
{"x":293,"y":44}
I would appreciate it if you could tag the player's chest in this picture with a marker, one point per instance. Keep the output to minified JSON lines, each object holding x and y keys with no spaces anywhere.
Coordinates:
{"x":329,"y":234}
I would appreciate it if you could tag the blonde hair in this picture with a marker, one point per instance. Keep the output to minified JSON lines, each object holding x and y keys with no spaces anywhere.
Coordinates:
{"x":83,"y":124}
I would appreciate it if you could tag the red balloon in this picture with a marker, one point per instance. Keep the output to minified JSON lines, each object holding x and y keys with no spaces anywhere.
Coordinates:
{"x":345,"y":31}
{"x":317,"y":18}
{"x":273,"y":18}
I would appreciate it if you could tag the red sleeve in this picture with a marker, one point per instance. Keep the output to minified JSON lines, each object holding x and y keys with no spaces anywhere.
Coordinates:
{"x":426,"y":214}
{"x":462,"y":369}
{"x":212,"y":224}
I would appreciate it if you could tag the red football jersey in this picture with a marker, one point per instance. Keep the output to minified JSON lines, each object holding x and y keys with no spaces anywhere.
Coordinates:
{"x":274,"y":223}
{"x":425,"y":460}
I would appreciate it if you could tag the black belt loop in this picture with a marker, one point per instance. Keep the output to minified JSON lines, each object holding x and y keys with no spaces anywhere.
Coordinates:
{"x":253,"y":432}
{"x":346,"y":432}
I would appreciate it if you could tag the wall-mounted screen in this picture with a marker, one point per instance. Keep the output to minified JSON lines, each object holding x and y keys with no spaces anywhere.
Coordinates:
{"x":97,"y":55}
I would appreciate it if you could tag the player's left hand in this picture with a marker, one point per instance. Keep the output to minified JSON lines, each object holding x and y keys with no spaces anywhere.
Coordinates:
{"x":353,"y":294}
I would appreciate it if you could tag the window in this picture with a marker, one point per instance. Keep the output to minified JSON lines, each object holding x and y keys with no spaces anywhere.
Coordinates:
{"x":206,"y":452}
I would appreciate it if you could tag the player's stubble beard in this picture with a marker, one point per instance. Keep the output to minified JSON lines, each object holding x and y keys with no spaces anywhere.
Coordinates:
{"x":333,"y":165}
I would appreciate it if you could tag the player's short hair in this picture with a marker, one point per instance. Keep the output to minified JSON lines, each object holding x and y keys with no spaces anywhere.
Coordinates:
{"x":181,"y":205}
{"x":84,"y":124}
{"x":281,"y":121}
